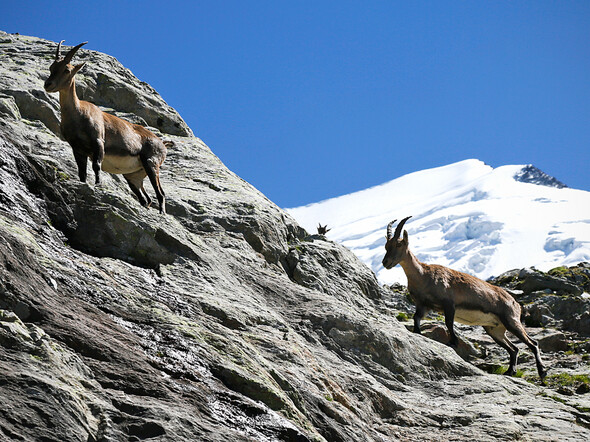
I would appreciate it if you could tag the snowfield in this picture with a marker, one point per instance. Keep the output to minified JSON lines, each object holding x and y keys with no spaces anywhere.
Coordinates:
{"x":467,"y":216}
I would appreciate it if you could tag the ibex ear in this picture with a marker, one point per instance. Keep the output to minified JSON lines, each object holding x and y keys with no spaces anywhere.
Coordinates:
{"x":77,"y":68}
{"x":406,"y":237}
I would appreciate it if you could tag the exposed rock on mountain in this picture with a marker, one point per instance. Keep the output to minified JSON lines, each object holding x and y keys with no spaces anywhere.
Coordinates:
{"x":222,"y":320}
{"x":533,"y":175}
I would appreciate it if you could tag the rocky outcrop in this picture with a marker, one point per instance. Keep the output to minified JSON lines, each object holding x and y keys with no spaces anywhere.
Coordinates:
{"x":222,"y":320}
{"x":559,"y":297}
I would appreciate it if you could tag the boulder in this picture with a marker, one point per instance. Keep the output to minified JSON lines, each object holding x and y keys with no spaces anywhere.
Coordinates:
{"x":553,"y":341}
{"x":537,"y":314}
{"x":532,"y":280}
{"x":439,"y":333}
{"x":579,"y":323}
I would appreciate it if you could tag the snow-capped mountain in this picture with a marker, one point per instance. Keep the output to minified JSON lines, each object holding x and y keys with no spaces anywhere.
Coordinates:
{"x":467,"y":216}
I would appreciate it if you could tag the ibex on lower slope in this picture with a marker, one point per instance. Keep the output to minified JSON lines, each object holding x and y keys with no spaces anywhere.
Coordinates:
{"x":461,"y":297}
{"x":113,"y":145}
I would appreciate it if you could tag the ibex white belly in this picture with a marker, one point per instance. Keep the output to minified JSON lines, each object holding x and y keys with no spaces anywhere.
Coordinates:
{"x":475,"y":317}
{"x":121,"y":164}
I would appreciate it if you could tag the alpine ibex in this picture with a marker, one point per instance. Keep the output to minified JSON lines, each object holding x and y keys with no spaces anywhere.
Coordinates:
{"x":113,"y":145}
{"x":460,"y":297}
{"x":322,"y":230}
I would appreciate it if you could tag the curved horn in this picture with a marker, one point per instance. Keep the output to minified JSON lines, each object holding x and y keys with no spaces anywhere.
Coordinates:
{"x":58,"y":47}
{"x":70,"y":54}
{"x":400,"y":226}
{"x":389,"y":226}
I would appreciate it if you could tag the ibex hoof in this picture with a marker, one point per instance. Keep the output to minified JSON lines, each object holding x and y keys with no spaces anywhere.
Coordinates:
{"x":542,"y":375}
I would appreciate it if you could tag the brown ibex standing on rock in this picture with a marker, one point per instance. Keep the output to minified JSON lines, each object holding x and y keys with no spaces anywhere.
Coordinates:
{"x":460,"y":297}
{"x":113,"y":145}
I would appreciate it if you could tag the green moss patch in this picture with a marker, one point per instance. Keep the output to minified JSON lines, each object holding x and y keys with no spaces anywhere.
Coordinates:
{"x":402,"y":317}
{"x":577,"y":381}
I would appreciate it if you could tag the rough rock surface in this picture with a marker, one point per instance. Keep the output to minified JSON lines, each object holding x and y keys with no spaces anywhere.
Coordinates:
{"x":222,"y":320}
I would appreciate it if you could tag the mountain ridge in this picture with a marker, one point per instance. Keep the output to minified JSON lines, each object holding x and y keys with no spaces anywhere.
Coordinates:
{"x":534,"y":175}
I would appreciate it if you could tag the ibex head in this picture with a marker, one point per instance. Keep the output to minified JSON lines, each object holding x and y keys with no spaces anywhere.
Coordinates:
{"x":62,"y":72}
{"x":322,"y":230}
{"x":395,"y":248}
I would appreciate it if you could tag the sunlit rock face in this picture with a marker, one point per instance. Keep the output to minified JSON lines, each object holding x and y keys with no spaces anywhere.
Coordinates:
{"x":221,"y":321}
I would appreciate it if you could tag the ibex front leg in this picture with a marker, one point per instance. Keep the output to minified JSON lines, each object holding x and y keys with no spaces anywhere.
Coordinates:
{"x":449,"y":310}
{"x":82,"y":163}
{"x":418,"y":315}
{"x":97,"y":157}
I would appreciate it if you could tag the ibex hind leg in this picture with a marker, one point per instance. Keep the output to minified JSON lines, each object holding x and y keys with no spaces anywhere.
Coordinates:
{"x":498,"y":334}
{"x":147,"y":197}
{"x":135,"y":181}
{"x":517,"y":329}
{"x":153,"y":173}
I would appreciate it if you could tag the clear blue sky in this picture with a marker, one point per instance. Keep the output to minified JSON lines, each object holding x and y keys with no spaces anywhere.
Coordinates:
{"x":313,"y":99}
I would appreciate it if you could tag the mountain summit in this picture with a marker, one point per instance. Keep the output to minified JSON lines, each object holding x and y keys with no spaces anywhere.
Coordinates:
{"x":533,"y":175}
{"x":467,"y":215}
